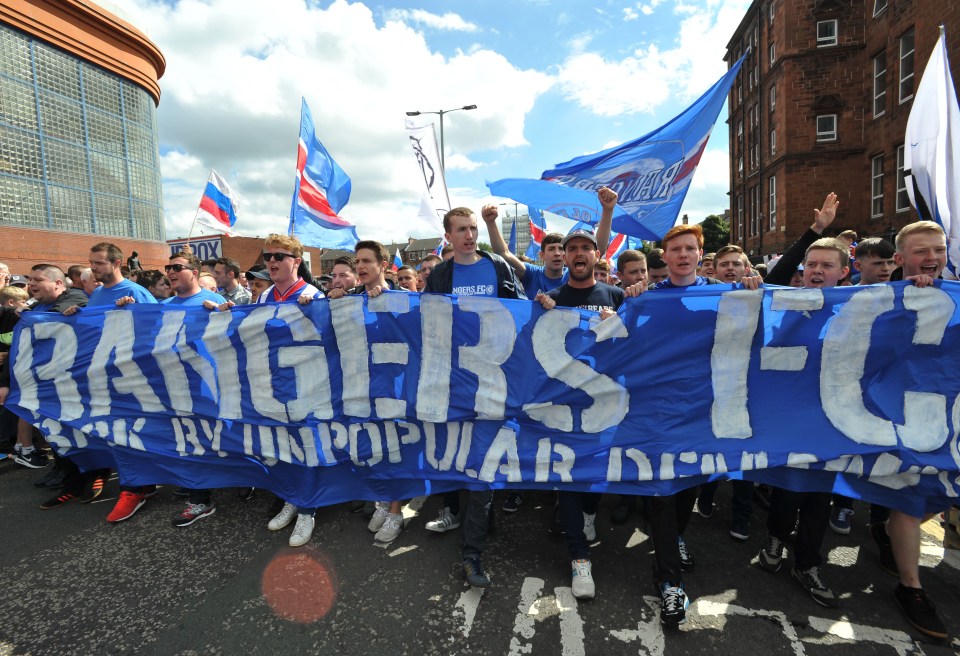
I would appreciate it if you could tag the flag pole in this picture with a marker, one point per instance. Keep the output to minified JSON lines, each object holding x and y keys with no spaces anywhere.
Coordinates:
{"x":196,"y":214}
{"x":296,"y":186}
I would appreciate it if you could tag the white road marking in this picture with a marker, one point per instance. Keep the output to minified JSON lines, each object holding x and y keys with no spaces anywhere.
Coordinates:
{"x":467,"y":605}
{"x":412,"y":509}
{"x":402,"y":550}
{"x":636,"y":538}
{"x":649,"y":631}
{"x":523,"y":624}
{"x":900,"y":641}
{"x":571,"y":625}
{"x":707,"y":607}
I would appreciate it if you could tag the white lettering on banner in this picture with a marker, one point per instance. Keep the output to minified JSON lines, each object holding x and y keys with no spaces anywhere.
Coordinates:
{"x":23,"y":371}
{"x":504,"y":445}
{"x":497,"y":336}
{"x":225,"y":357}
{"x":376,"y":445}
{"x":55,"y":435}
{"x":123,"y":437}
{"x":171,"y":351}
{"x":433,"y":386}
{"x":737,"y":316}
{"x":309,"y":364}
{"x":545,"y":451}
{"x":610,"y":399}
{"x":351,"y":332}
{"x":57,"y":369}
{"x":390,"y":352}
{"x":117,"y":340}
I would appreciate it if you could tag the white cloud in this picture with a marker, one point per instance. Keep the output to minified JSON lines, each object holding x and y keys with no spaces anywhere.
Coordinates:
{"x":448,"y":21}
{"x":711,"y":182}
{"x":647,"y":10}
{"x":652,"y":73}
{"x":233,"y":103}
{"x":629,"y":14}
{"x":458,"y":162}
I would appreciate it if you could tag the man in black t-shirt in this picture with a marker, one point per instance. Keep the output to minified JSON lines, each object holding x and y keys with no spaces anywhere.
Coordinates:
{"x":578,"y":510}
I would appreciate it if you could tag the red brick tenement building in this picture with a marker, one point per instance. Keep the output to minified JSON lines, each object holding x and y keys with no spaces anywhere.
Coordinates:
{"x":821,"y":104}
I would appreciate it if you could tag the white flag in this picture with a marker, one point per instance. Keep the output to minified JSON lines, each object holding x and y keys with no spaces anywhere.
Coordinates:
{"x":423,"y":139}
{"x":932,"y":152}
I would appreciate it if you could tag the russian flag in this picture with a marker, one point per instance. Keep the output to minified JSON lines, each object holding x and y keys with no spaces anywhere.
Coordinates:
{"x":322,"y":189}
{"x":218,"y":207}
{"x":439,"y":248}
{"x":397,"y":260}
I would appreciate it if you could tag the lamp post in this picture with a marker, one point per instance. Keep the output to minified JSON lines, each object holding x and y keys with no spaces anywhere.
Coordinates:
{"x":440,"y":113}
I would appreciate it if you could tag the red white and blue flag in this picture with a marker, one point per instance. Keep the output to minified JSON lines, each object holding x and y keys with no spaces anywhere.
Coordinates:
{"x":321,"y":191}
{"x":618,"y":244}
{"x":439,"y":248}
{"x":218,"y":207}
{"x":397,"y":260}
{"x":538,"y":230}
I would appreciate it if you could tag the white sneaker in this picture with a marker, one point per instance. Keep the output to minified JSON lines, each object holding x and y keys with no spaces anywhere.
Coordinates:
{"x":391,"y":528}
{"x":583,"y":587}
{"x":302,"y":531}
{"x":283,"y":518}
{"x":447,"y":521}
{"x":379,"y":516}
{"x":589,"y":527}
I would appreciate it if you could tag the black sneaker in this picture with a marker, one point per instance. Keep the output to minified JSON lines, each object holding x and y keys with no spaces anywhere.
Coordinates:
{"x":621,"y":511}
{"x":59,"y":500}
{"x":810,"y":580}
{"x":94,"y":489}
{"x":473,"y":572}
{"x":512,"y":504}
{"x":885,"y":550}
{"x":181,"y":491}
{"x":673,"y":604}
{"x":32,"y":460}
{"x":246,"y":493}
{"x":556,"y":526}
{"x":920,"y":611}
{"x":686,"y":558}
{"x":52,"y":479}
{"x":740,"y":530}
{"x":771,"y":556}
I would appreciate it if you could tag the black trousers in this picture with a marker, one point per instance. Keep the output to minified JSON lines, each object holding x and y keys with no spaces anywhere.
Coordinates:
{"x":813,"y":510}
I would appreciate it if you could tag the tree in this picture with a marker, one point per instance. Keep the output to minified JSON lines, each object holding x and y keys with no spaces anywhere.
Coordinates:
{"x":716,"y":233}
{"x":484,"y":246}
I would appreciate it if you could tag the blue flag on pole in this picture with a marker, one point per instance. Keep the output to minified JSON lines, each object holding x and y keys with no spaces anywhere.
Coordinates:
{"x":650,"y":174}
{"x":512,"y":246}
{"x":538,"y":230}
{"x":322,"y":189}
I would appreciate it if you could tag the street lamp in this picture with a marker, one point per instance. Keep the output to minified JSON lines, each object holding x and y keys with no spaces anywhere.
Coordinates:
{"x":440,"y":114}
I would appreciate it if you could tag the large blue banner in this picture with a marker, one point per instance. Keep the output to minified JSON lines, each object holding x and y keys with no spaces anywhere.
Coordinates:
{"x":851,"y":389}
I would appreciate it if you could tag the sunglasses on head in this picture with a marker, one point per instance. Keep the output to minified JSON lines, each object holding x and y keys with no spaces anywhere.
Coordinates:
{"x":177,"y":267}
{"x":278,"y":257}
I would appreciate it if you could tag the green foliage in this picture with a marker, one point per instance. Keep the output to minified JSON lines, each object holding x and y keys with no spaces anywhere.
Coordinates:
{"x":484,"y":246}
{"x":716,"y":233}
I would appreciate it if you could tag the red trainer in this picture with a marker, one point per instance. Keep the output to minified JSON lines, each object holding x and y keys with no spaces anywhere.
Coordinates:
{"x":127,"y":505}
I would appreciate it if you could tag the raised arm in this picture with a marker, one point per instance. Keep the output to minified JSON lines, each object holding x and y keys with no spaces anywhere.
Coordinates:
{"x":489,"y":213}
{"x":822,"y":218}
{"x":608,"y":200}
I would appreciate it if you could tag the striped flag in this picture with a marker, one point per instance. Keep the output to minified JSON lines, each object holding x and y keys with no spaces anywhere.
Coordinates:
{"x":321,"y":190}
{"x":218,"y":207}
{"x":397,"y":260}
{"x":538,"y":230}
{"x":932,"y":154}
{"x":618,"y":244}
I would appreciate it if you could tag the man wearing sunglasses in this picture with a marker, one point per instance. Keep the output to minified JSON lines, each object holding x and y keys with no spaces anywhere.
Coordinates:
{"x":282,"y":255}
{"x":183,"y":270}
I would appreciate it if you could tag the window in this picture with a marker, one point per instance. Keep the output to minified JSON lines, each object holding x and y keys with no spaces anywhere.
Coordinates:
{"x":773,"y":142}
{"x":773,"y":11}
{"x":755,"y":210}
{"x":740,"y":165}
{"x":773,"y":202}
{"x":879,"y":6}
{"x":740,"y":215}
{"x":880,"y":84}
{"x":740,"y":92}
{"x":773,"y":53}
{"x":826,"y":33}
{"x":827,"y":127}
{"x":773,"y":98}
{"x":876,"y":186}
{"x":906,"y":67}
{"x":903,"y":200}
{"x":740,"y":128}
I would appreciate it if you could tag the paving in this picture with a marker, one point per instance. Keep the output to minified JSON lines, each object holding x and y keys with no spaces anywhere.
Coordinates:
{"x":75,"y":585}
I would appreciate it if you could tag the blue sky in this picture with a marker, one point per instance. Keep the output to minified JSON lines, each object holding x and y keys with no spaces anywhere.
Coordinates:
{"x":551,"y":81}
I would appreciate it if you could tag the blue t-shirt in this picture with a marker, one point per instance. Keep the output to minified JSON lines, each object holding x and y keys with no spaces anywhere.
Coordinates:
{"x":105,"y":296}
{"x":666,"y":284}
{"x":477,"y":279}
{"x":535,"y":280}
{"x":196,"y":299}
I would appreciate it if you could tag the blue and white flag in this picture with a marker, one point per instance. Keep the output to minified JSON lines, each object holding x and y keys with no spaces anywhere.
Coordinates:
{"x":538,"y":230}
{"x":321,"y":190}
{"x":651,"y":174}
{"x":852,"y":390}
{"x":932,"y":156}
